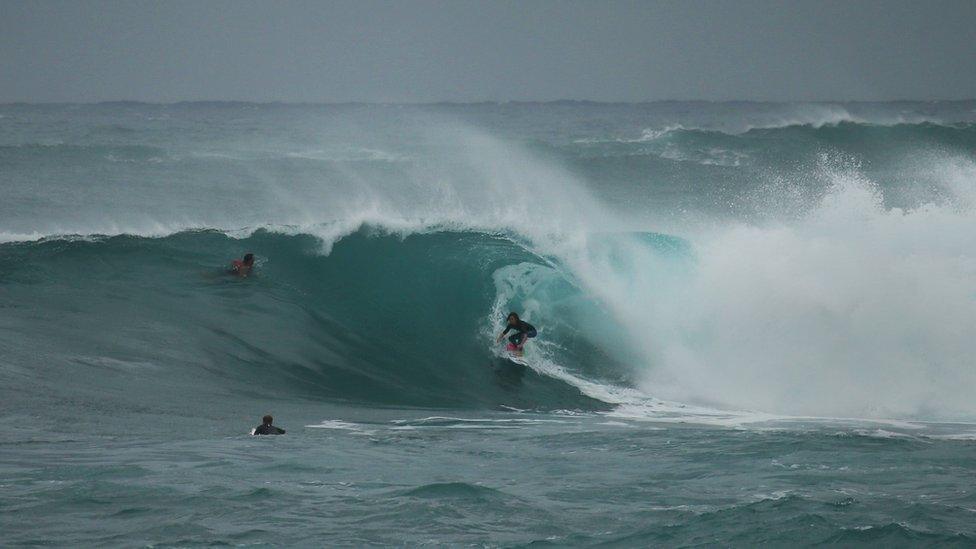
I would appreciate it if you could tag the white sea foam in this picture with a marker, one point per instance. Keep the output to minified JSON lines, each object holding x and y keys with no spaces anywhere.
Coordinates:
{"x":852,"y":310}
{"x":339,"y":425}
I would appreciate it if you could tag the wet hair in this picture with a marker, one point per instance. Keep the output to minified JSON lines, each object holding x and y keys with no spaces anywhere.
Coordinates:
{"x":248,"y":259}
{"x":267,"y":420}
{"x":510,"y":315}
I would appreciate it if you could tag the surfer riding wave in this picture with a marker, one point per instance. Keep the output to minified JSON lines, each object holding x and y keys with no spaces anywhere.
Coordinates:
{"x":523,"y":331}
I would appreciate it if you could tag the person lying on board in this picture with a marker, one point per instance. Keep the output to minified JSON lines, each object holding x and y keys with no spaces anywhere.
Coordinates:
{"x":242,"y":267}
{"x":523,"y":331}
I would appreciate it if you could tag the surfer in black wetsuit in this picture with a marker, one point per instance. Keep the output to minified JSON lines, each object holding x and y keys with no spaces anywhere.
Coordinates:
{"x":523,"y":331}
{"x":266,"y":427}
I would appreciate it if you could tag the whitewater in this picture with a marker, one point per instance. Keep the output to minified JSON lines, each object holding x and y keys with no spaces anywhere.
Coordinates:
{"x":756,"y":323}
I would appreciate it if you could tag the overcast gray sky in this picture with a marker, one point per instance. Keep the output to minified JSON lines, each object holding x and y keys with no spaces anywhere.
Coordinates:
{"x":419,"y":51}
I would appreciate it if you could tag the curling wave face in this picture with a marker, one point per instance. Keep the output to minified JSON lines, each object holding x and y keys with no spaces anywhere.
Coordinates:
{"x":381,"y":320}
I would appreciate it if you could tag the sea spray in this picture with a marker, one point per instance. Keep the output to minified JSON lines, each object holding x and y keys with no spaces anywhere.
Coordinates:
{"x":853,"y":309}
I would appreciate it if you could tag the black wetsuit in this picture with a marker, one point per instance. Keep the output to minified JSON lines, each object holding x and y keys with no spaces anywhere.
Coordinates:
{"x":523,"y":331}
{"x":268,"y":429}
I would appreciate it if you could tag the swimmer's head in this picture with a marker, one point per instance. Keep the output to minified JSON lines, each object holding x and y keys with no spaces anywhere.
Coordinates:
{"x":248,"y":259}
{"x":513,"y":318}
{"x":267,"y":420}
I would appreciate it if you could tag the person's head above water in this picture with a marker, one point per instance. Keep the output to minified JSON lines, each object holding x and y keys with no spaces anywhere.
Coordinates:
{"x":266,"y":427}
{"x":248,"y":259}
{"x":513,"y":319}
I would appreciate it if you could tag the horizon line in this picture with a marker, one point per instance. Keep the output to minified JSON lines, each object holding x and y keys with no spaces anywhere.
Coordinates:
{"x":479,"y":102}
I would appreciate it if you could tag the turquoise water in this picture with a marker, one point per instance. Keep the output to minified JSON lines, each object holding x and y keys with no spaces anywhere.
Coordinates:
{"x":755,"y":324}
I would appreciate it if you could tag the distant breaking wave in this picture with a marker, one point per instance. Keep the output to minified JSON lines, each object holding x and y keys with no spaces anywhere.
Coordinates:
{"x":654,"y":134}
{"x":714,"y":147}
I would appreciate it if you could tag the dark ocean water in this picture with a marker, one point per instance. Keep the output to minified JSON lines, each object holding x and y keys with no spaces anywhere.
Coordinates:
{"x":756,"y":324}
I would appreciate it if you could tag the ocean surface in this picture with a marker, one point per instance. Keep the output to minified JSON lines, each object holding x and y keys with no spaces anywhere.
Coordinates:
{"x":757,"y":324}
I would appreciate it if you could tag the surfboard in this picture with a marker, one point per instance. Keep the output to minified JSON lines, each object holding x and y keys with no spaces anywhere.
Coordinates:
{"x":510,"y":356}
{"x":513,"y":350}
{"x":517,"y":360}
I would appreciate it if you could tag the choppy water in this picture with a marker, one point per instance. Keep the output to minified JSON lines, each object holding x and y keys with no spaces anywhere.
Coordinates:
{"x":756,"y":324}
